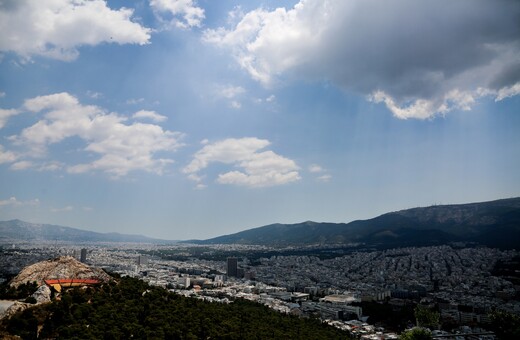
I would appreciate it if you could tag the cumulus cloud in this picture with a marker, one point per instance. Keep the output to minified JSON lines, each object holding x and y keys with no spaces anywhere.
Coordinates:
{"x":5,"y":115}
{"x":507,"y":91}
{"x":122,"y":147}
{"x":418,"y":58}
{"x":56,"y":28}
{"x":152,"y":115}
{"x":315,"y":168}
{"x":12,"y":201}
{"x":184,"y":13}
{"x":256,"y":168}
{"x":7,"y":156}
{"x":21,"y":165}
{"x":318,"y":170}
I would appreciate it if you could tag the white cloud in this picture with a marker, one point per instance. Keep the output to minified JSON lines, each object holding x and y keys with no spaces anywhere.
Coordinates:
{"x":235,"y":104}
{"x":418,"y":58}
{"x":94,"y":95}
{"x":122,"y":147}
{"x":64,"y":209}
{"x":2,"y":94}
{"x":5,"y":115}
{"x":152,"y":115}
{"x":230,"y":92}
{"x":12,"y":201}
{"x":51,"y":166}
{"x":21,"y":165}
{"x":257,"y":169}
{"x":508,"y":91}
{"x":185,"y":13}
{"x":324,"y":178}
{"x":315,"y":168}
{"x":134,"y":101}
{"x":56,"y":28}
{"x":270,"y":99}
{"x":7,"y":156}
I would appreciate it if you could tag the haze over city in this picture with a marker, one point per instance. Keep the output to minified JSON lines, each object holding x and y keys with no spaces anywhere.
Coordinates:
{"x":193,"y":119}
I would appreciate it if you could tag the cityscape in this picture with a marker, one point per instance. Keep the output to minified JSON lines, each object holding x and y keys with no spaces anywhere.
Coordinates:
{"x":461,"y":284}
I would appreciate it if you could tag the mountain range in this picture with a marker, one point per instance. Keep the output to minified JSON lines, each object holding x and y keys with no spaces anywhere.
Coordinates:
{"x":16,"y":230}
{"x":493,"y":223}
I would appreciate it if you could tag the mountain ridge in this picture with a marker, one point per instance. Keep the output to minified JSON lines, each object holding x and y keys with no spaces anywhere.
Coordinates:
{"x":492,"y":223}
{"x":18,"y":230}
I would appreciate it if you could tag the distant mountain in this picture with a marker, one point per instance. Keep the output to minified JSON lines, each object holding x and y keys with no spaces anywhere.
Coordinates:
{"x":16,"y":230}
{"x":494,"y":223}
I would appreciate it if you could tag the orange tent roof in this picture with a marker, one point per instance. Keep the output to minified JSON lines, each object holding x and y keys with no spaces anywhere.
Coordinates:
{"x":72,"y":281}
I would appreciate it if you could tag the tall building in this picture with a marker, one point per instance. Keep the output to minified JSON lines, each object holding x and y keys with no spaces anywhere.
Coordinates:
{"x":142,"y":260}
{"x":232,"y":266}
{"x":83,"y":257}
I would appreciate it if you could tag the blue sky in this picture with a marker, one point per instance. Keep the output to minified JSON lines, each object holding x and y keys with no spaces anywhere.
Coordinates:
{"x":187,"y":119}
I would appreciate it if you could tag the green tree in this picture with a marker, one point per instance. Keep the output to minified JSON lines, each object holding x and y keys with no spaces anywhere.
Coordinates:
{"x":416,"y":334}
{"x":506,"y":325}
{"x":426,"y":317}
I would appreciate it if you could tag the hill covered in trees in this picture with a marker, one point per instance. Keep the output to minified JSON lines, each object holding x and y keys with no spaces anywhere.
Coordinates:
{"x":493,"y":223}
{"x":130,"y":308}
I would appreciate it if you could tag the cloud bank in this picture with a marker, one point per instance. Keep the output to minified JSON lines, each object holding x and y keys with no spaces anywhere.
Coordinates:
{"x":257,"y":168}
{"x":56,"y":28}
{"x":418,"y":58}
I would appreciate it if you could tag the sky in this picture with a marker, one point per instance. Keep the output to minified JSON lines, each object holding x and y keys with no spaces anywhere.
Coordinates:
{"x":182,"y":119}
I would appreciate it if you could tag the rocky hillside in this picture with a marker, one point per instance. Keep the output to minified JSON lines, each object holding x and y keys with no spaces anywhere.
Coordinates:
{"x":65,"y":267}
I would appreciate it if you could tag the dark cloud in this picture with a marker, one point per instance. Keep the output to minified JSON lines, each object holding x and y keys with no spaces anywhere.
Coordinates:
{"x":411,"y":50}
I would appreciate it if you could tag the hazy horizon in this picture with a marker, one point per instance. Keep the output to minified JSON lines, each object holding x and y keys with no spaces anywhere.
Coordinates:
{"x":194,"y":119}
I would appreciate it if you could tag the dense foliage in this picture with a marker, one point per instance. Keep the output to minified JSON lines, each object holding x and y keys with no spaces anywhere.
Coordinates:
{"x":426,"y":317}
{"x":23,"y":291}
{"x":391,"y":317}
{"x":416,"y":334}
{"x":505,"y":325}
{"x":132,"y":309}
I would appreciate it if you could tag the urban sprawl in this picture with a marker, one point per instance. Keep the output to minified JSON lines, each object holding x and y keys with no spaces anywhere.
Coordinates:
{"x":458,"y":282}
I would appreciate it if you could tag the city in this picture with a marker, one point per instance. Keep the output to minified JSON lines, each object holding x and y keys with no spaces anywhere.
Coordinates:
{"x":459,"y":283}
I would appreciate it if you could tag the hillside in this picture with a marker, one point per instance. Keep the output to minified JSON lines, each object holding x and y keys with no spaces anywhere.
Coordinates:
{"x":16,"y":231}
{"x":494,"y":223}
{"x":129,"y":308}
{"x":65,"y":267}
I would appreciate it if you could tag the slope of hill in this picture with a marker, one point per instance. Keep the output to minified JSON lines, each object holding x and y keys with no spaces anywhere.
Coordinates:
{"x":494,"y":223}
{"x":64,"y":267}
{"x":130,"y":308}
{"x":16,"y":230}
